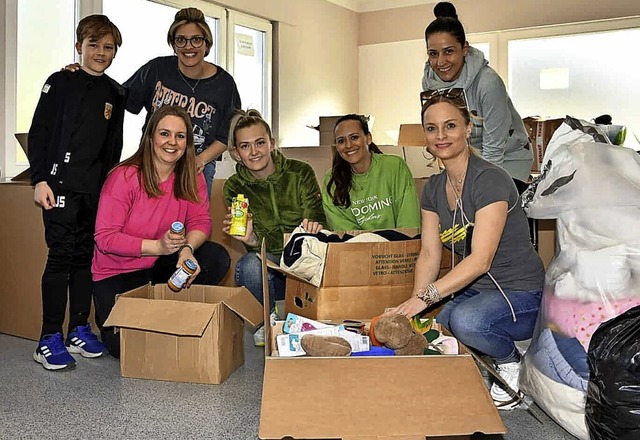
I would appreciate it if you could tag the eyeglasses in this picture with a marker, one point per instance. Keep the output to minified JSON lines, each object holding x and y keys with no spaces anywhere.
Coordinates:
{"x":454,"y":94}
{"x":196,"y":41}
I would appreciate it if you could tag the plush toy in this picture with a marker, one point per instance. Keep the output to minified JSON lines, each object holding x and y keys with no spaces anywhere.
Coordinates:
{"x":397,"y":333}
{"x":323,"y":346}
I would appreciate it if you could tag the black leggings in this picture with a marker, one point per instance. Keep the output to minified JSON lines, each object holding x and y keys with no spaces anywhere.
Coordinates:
{"x":214,"y":263}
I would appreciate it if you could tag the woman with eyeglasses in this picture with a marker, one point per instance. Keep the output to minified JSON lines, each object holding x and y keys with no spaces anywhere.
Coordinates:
{"x":366,"y":189}
{"x":498,"y":131}
{"x":205,"y":90}
{"x":473,"y":208}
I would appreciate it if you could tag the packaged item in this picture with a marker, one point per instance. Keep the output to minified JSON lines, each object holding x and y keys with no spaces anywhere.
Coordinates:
{"x":239,"y":215}
{"x":181,"y":275}
{"x":177,"y":228}
{"x":296,"y":324}
{"x":289,"y":344}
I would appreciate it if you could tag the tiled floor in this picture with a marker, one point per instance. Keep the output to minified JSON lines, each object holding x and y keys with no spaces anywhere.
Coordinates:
{"x":94,"y":402}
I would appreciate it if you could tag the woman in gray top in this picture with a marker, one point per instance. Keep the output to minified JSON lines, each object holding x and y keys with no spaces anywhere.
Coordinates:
{"x":498,"y":131}
{"x":473,"y":208}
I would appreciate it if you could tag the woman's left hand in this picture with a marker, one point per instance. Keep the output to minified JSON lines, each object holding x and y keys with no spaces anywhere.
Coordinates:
{"x":186,"y":254}
{"x":311,"y":227}
{"x":409,"y":308}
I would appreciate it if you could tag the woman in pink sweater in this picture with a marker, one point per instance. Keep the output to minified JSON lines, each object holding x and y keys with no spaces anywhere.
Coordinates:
{"x":140,"y":199}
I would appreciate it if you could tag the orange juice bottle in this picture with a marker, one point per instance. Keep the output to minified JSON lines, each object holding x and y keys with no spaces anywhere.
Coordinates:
{"x":239,"y":215}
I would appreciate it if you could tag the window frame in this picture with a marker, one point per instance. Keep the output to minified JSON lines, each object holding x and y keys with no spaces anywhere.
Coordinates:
{"x":262,"y":25}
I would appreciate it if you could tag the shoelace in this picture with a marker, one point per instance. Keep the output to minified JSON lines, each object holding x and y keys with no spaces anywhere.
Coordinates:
{"x":86,"y":333}
{"x":56,"y":344}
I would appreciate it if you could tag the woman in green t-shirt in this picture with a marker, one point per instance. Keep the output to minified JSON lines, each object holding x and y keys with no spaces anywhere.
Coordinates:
{"x":364,"y":190}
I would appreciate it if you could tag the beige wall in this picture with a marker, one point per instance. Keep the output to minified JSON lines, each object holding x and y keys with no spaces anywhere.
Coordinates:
{"x":317,"y":59}
{"x":489,"y":15}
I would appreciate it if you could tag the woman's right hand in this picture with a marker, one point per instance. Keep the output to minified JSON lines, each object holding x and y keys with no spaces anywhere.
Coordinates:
{"x":72,"y":67}
{"x":171,"y":243}
{"x":250,"y":239}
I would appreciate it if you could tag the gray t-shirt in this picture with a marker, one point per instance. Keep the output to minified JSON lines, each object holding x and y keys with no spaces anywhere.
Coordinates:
{"x":516,"y":265}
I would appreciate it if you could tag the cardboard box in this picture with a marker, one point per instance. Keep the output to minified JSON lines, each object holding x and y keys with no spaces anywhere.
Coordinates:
{"x":359,"y":281}
{"x":195,"y":335}
{"x":540,"y":131}
{"x":373,"y":398}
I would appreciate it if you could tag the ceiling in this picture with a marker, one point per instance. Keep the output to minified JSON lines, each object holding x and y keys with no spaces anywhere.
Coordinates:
{"x":378,"y":5}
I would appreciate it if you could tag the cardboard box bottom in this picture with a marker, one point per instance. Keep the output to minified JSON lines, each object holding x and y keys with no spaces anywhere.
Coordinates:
{"x":370,"y":398}
{"x":336,"y":303}
{"x":206,"y":359}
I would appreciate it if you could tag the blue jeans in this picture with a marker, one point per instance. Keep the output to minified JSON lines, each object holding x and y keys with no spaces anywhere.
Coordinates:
{"x":249,"y":275}
{"x":209,"y":172}
{"x":483,"y":320}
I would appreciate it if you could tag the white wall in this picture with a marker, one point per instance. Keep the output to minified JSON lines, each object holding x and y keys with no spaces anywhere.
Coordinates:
{"x":389,"y":81}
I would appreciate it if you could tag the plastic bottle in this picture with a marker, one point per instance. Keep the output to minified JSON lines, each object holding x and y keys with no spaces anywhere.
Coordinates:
{"x":177,"y":228}
{"x":181,"y":275}
{"x":239,"y":215}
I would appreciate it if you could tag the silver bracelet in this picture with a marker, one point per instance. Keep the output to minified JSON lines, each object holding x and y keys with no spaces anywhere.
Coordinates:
{"x":189,"y":246}
{"x":429,"y":295}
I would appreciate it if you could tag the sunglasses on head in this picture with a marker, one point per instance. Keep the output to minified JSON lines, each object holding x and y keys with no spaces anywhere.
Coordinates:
{"x":454,"y":94}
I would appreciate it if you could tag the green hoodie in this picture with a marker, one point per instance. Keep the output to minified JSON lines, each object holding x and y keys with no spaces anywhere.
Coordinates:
{"x":280,"y":202}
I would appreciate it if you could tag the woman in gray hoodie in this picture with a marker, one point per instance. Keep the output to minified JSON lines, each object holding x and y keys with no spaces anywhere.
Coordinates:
{"x":498,"y":131}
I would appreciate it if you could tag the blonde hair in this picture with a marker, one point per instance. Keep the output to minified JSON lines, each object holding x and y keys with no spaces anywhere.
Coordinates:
{"x":243,"y":119}
{"x":195,"y":16}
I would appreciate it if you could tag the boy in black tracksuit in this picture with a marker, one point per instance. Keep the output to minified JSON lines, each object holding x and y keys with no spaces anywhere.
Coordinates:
{"x":74,"y":140}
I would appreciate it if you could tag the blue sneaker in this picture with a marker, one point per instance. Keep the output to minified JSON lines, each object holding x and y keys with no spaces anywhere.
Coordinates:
{"x":83,"y":341}
{"x":52,"y":353}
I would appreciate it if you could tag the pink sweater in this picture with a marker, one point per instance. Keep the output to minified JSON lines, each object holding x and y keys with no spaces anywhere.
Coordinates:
{"x":126,"y":216}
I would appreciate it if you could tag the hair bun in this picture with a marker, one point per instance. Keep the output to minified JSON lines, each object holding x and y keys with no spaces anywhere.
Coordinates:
{"x":445,"y":10}
{"x":190,"y":14}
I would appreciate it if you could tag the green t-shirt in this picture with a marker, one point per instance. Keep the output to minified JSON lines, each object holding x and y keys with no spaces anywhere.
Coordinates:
{"x":382,"y":198}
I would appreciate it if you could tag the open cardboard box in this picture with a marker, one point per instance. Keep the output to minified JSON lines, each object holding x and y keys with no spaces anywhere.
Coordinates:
{"x":359,"y":279}
{"x":195,"y":335}
{"x":358,"y":398}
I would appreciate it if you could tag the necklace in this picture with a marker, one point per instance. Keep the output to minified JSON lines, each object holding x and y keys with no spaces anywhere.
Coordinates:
{"x":457,"y":189}
{"x":193,"y":88}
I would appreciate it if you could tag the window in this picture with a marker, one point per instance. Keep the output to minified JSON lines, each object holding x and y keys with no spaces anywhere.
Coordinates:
{"x":250,"y":61}
{"x":38,"y":21}
{"x":584,"y":70}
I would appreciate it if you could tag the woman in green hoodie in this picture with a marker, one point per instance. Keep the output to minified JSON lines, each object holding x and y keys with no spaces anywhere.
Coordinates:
{"x":282,"y":193}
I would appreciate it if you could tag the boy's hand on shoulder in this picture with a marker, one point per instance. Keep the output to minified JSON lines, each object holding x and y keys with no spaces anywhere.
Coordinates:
{"x":43,"y":195}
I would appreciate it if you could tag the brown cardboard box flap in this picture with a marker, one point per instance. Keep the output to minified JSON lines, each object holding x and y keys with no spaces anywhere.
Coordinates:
{"x":411,"y":135}
{"x":245,"y":305}
{"x":162,"y":316}
{"x":439,"y":398}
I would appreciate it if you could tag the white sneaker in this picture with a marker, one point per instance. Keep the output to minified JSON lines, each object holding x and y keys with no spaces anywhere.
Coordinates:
{"x":258,"y":337}
{"x":502,"y":398}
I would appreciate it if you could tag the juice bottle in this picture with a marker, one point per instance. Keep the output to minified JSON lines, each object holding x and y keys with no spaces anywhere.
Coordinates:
{"x":239,"y":215}
{"x":177,"y":228}
{"x":180,"y":276}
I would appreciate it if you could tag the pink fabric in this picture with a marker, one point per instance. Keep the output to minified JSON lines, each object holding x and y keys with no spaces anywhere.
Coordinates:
{"x":126,"y":216}
{"x":580,"y":320}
